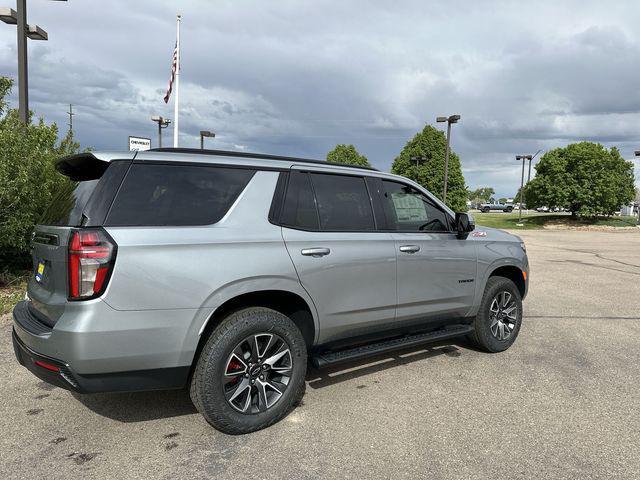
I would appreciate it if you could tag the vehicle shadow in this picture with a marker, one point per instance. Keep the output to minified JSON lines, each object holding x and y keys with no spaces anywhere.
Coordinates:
{"x":320,"y":378}
{"x":144,"y":406}
{"x":139,"y":406}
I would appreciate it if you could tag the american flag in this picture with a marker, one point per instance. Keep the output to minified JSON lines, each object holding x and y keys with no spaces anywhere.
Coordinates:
{"x":174,"y":66}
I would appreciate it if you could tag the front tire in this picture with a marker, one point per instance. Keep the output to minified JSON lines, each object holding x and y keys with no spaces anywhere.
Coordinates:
{"x":251,"y":371}
{"x":499,"y":318}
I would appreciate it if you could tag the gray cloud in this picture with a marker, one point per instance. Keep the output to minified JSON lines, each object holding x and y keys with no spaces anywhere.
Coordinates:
{"x":296,"y":78}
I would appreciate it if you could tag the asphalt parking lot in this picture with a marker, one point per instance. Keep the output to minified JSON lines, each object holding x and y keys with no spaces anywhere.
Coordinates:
{"x":563,"y":402}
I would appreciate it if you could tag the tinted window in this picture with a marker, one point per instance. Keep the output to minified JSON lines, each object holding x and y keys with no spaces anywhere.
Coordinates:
{"x":408,"y":210}
{"x":343,"y":202}
{"x":159,"y":195}
{"x":299,"y":205}
{"x":68,"y":203}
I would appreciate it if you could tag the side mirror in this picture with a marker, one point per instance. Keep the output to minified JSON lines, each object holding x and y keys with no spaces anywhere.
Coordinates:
{"x":464,"y":224}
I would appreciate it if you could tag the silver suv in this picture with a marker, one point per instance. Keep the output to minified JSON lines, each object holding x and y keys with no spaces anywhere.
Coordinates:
{"x":228,"y":272}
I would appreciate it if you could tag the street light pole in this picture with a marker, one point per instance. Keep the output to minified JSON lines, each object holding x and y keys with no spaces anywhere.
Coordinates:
{"x":34,"y":32}
{"x":637,"y":153}
{"x":23,"y":80}
{"x":523,"y":158}
{"x":450,"y":119}
{"x":446,"y":164}
{"x":162,"y":123}
{"x":534,"y":156}
{"x":205,"y":133}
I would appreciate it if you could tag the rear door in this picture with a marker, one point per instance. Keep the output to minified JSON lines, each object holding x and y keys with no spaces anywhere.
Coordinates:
{"x":345,"y":264}
{"x":82,"y":201}
{"x":436,"y":270}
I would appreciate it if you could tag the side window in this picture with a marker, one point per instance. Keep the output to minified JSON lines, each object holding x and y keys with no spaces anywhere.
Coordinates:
{"x":163,"y":195}
{"x":408,"y":210}
{"x":343,"y":202}
{"x":299,"y":210}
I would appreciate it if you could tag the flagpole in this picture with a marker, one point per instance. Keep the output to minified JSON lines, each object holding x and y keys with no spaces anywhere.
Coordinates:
{"x":176,"y":99}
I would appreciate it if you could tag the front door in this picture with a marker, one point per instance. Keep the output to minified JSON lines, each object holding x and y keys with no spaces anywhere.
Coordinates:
{"x":436,"y":270}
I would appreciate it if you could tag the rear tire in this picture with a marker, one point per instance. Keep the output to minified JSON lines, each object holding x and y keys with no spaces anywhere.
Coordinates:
{"x":223,"y":370}
{"x":509,"y":210}
{"x":499,"y":318}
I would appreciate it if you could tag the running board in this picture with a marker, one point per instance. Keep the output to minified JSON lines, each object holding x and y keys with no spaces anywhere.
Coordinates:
{"x":332,"y":358}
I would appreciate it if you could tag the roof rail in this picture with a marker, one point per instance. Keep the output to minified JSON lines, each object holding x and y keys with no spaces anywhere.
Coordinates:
{"x":263,"y":156}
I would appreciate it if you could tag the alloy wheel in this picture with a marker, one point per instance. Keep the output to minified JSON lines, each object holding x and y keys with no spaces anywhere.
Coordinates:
{"x":503,"y":315}
{"x":257,"y":373}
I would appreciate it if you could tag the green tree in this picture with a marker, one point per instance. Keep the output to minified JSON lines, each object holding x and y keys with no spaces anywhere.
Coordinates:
{"x":347,"y":154}
{"x":583,"y":177}
{"x":27,"y":177}
{"x":481,"y":195}
{"x":502,"y":200}
{"x":430,"y":145}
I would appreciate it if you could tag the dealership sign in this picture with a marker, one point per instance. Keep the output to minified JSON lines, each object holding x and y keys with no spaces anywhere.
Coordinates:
{"x":139,"y":143}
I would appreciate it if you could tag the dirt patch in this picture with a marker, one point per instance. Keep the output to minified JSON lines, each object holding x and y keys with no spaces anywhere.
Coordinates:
{"x":5,"y":319}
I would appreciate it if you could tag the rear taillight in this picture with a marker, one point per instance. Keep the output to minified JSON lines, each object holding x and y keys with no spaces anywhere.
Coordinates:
{"x":91,"y":257}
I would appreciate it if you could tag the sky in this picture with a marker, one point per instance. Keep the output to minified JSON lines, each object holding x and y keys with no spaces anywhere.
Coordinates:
{"x":296,"y":78}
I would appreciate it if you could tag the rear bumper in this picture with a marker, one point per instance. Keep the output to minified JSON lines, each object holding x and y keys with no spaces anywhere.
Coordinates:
{"x":97,"y":349}
{"x":28,"y":359}
{"x":58,"y":373}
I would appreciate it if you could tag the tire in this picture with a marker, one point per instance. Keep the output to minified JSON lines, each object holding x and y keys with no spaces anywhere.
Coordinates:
{"x":485,"y":210}
{"x":509,"y":210}
{"x":217,"y":367}
{"x":487,"y":333}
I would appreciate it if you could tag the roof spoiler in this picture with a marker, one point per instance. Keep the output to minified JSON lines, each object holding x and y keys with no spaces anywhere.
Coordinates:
{"x":88,"y":165}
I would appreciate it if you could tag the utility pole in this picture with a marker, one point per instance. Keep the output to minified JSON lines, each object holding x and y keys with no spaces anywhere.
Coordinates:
{"x":450,"y":119}
{"x":71,"y":114}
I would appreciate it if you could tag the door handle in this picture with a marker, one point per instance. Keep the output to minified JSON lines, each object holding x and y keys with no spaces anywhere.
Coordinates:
{"x":315,"y":252}
{"x":410,"y":248}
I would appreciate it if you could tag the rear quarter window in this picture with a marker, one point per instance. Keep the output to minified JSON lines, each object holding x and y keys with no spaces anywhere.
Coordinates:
{"x":176,"y":195}
{"x":68,"y":204}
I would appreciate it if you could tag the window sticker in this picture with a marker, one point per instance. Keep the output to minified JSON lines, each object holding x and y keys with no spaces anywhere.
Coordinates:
{"x":409,"y":207}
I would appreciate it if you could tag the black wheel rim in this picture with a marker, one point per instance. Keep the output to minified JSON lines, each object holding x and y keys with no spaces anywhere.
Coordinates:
{"x":257,"y":373}
{"x":503,"y":315}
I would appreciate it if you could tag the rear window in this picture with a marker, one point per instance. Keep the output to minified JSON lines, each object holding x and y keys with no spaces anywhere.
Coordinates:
{"x":68,"y":204}
{"x":343,"y":203}
{"x":327,"y":202}
{"x":174,"y":195}
{"x":299,"y":206}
